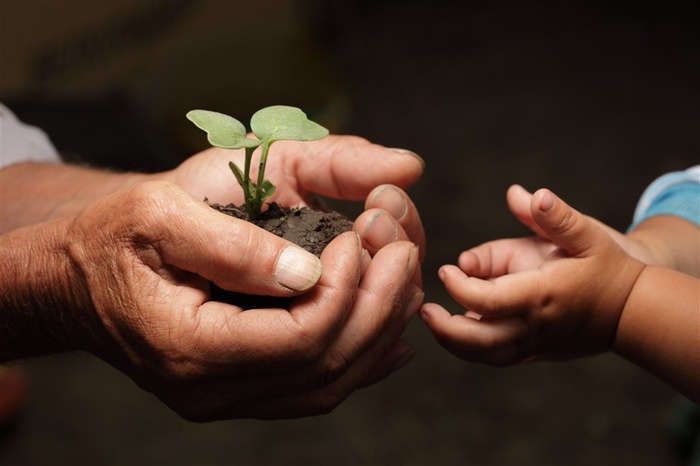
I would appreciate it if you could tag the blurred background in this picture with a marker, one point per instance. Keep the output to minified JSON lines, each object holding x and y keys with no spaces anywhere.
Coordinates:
{"x":591,"y":99}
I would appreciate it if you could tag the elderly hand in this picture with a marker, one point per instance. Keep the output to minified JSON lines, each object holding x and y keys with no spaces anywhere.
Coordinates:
{"x":128,"y":279}
{"x":121,"y":265}
{"x":341,"y":167}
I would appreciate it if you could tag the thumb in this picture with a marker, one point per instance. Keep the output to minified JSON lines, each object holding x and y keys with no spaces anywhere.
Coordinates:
{"x":563,"y":225}
{"x":519,"y":200}
{"x":234,"y":254}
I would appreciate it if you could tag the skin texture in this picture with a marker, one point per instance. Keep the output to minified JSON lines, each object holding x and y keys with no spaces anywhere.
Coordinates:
{"x":577,"y":288}
{"x":119,"y":265}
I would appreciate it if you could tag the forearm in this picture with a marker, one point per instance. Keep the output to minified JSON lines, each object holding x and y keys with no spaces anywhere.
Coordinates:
{"x":659,"y":329}
{"x":40,"y":293}
{"x":670,"y":242}
{"x":35,"y":192}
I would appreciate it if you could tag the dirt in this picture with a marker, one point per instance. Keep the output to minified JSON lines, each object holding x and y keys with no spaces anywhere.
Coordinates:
{"x":309,"y":228}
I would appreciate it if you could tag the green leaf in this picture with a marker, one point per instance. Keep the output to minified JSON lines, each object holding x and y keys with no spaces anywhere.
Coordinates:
{"x":282,"y":122}
{"x":222,"y":130}
{"x":238,"y":174}
{"x":268,"y":189}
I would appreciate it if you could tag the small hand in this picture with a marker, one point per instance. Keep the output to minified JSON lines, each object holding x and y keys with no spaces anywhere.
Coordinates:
{"x":550,"y":297}
{"x":519,"y":204}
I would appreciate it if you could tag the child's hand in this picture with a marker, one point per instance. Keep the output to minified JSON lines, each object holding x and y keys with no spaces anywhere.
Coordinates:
{"x":637,"y":245}
{"x":555,"y":296}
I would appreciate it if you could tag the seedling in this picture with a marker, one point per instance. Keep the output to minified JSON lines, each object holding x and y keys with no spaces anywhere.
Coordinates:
{"x":269,"y":124}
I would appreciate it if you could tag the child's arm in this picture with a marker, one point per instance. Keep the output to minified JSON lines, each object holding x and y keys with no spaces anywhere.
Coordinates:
{"x":670,"y":241}
{"x":561,"y":295}
{"x":659,"y":329}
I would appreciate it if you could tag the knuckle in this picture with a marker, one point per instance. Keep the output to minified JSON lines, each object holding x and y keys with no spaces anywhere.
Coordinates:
{"x":154,"y":202}
{"x":566,"y":222}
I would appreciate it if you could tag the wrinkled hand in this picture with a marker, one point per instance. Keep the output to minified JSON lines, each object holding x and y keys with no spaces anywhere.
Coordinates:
{"x":343,"y":167}
{"x":145,"y":258}
{"x":558,"y":295}
{"x":340,"y":167}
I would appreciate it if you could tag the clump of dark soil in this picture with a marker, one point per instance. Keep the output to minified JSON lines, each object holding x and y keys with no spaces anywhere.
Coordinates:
{"x":309,"y":228}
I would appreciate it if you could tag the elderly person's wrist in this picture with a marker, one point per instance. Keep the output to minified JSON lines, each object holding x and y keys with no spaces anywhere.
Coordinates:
{"x":63,"y":190}
{"x":43,"y":302}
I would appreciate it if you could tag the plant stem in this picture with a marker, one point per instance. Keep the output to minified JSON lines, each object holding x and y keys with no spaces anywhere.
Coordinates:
{"x":261,"y":175}
{"x":246,"y":185}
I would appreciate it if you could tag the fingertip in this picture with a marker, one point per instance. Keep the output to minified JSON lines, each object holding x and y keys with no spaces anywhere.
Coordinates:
{"x":516,"y":189}
{"x":297,"y":269}
{"x":380,"y":229}
{"x":563,"y":225}
{"x":354,"y":244}
{"x":428,"y":311}
{"x":410,"y":153}
{"x":442,"y":273}
{"x":389,"y":198}
{"x":467,"y":260}
{"x":437,"y":319}
{"x":544,"y":200}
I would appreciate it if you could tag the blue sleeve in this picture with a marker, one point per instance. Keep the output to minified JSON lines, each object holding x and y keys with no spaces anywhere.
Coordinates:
{"x":675,"y":193}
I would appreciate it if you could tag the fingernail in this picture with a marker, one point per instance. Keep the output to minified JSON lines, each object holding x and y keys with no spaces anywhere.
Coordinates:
{"x":408,"y":152}
{"x":380,"y":230}
{"x":442,"y":274}
{"x":547,"y":202}
{"x":424,"y":313}
{"x":297,"y":269}
{"x":359,"y":241}
{"x":389,"y":199}
{"x":365,"y":261}
{"x":415,"y":302}
{"x":413,"y":259}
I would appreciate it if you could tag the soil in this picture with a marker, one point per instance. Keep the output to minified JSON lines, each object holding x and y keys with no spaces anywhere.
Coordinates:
{"x":309,"y":228}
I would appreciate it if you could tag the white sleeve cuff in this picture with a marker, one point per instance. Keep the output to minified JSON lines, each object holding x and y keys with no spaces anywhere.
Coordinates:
{"x":20,"y":142}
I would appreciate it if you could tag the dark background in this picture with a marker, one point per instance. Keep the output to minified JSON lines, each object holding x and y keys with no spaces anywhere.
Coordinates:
{"x":591,"y":99}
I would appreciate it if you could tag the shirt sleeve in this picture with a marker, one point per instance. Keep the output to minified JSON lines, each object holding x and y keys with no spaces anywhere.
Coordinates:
{"x":675,"y":193}
{"x":23,"y":143}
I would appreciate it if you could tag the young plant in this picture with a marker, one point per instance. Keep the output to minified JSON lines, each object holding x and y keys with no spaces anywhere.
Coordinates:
{"x":269,"y":124}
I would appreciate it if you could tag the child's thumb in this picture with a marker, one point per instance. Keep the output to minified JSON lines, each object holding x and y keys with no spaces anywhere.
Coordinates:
{"x":563,"y":225}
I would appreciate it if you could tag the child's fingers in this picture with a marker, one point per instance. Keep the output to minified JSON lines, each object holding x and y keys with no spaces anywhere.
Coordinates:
{"x":506,"y":296}
{"x":518,"y":199}
{"x":496,"y":342}
{"x":491,"y":259}
{"x":479,"y":261}
{"x":504,"y":256}
{"x":564,"y":225}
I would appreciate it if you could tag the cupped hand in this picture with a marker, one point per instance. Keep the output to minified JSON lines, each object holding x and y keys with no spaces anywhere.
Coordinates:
{"x":553,"y":297}
{"x":142,"y":262}
{"x":340,"y":167}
